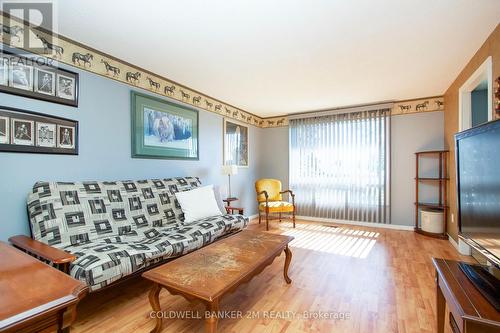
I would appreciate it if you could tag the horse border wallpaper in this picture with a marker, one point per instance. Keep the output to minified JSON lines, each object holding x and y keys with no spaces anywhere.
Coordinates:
{"x":73,"y":53}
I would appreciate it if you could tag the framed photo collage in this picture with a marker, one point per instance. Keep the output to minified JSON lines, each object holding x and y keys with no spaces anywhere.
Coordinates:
{"x":30,"y":132}
{"x":30,"y":77}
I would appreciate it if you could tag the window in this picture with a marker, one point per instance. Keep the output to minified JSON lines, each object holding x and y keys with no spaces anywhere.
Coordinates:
{"x":339,"y":166}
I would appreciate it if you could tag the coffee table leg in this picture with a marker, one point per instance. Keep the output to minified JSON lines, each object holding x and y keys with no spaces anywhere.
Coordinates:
{"x":212,"y":318}
{"x":154,"y":299}
{"x":288,"y":258}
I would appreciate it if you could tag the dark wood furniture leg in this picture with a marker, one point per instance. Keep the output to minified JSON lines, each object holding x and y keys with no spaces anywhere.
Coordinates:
{"x":212,"y":316}
{"x":154,"y":299}
{"x":267,"y":218}
{"x":441,"y":308}
{"x":288,"y":259}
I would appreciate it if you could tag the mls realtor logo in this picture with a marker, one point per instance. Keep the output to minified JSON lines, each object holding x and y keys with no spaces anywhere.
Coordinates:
{"x":34,"y":14}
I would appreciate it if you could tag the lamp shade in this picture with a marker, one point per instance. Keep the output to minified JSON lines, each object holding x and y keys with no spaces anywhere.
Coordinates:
{"x":229,"y":170}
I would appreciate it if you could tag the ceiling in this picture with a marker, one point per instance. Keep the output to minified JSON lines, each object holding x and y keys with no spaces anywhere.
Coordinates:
{"x":284,"y":56}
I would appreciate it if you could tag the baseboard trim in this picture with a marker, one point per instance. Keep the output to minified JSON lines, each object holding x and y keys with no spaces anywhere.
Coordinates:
{"x":453,"y":242}
{"x":363,"y":224}
{"x":251,"y":217}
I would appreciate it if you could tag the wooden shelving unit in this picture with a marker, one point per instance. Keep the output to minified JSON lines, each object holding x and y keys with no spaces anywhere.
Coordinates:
{"x":442,"y":183}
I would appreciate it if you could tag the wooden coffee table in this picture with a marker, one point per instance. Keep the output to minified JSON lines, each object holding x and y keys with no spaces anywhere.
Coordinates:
{"x":217,"y":269}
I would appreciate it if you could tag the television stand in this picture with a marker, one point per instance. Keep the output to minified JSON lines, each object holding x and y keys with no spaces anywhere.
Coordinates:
{"x":469,"y":311}
{"x":487,"y":284}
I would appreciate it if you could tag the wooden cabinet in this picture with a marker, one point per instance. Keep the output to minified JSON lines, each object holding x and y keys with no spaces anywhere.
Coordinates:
{"x":468,"y":310}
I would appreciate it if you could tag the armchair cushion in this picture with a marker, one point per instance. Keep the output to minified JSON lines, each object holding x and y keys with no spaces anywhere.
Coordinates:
{"x":271,"y":186}
{"x":277,"y":207}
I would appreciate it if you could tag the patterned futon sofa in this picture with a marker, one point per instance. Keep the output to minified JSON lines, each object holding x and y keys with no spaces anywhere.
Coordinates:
{"x":114,"y":229}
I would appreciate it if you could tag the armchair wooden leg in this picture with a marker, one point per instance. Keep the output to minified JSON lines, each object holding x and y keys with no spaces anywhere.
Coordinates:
{"x":260,"y":218}
{"x":267,"y":219}
{"x":293,"y":216}
{"x":279,"y":216}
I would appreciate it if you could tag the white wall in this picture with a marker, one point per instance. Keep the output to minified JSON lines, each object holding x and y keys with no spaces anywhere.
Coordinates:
{"x":410,"y":133}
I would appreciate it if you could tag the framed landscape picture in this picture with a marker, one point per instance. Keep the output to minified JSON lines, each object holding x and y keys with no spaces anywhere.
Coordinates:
{"x":235,"y":144}
{"x":162,"y":129}
{"x":30,"y":132}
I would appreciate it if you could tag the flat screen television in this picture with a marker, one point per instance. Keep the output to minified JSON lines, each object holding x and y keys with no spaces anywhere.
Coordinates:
{"x":478,"y":188}
{"x":478,"y":192}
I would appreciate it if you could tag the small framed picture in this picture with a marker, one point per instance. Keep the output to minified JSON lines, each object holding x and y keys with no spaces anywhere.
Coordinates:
{"x":45,"y":82}
{"x":4,"y":130}
{"x":22,"y":132}
{"x":4,"y":71}
{"x":65,"y":137}
{"x":65,"y":87}
{"x":20,"y":74}
{"x":235,"y":143}
{"x":46,"y":135}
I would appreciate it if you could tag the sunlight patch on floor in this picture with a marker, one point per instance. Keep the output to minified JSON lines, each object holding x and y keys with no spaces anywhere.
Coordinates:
{"x":336,"y":240}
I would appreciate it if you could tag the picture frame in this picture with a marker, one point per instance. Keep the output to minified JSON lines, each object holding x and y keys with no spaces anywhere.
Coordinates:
{"x":162,"y":129}
{"x":4,"y":71}
{"x":31,"y":132}
{"x":65,"y":86}
{"x":20,"y":74}
{"x":35,"y":77}
{"x":46,"y":135}
{"x":235,"y":143}
{"x":65,"y":136}
{"x":23,"y":132}
{"x":44,"y":82}
{"x":4,"y":130}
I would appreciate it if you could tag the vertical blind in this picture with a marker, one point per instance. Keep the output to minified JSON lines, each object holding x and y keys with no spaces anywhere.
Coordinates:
{"x":339,"y":166}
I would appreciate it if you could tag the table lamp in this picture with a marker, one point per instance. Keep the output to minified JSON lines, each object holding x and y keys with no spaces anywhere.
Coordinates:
{"x":229,"y":170}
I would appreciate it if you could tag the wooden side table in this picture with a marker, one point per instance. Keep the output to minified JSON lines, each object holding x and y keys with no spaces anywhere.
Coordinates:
{"x":231,"y":210}
{"x":469,"y":311}
{"x":229,"y":200}
{"x":35,"y":297}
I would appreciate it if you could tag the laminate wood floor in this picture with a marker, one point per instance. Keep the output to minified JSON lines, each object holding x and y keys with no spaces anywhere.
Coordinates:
{"x":345,"y":279}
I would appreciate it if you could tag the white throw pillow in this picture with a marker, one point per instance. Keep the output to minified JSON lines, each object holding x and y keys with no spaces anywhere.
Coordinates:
{"x":198,"y":203}
{"x":218,"y":199}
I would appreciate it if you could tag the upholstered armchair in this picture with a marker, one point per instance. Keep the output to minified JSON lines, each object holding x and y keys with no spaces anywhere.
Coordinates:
{"x":270,"y":200}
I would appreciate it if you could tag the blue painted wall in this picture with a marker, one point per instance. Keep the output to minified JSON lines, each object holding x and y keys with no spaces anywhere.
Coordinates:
{"x":105,"y":152}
